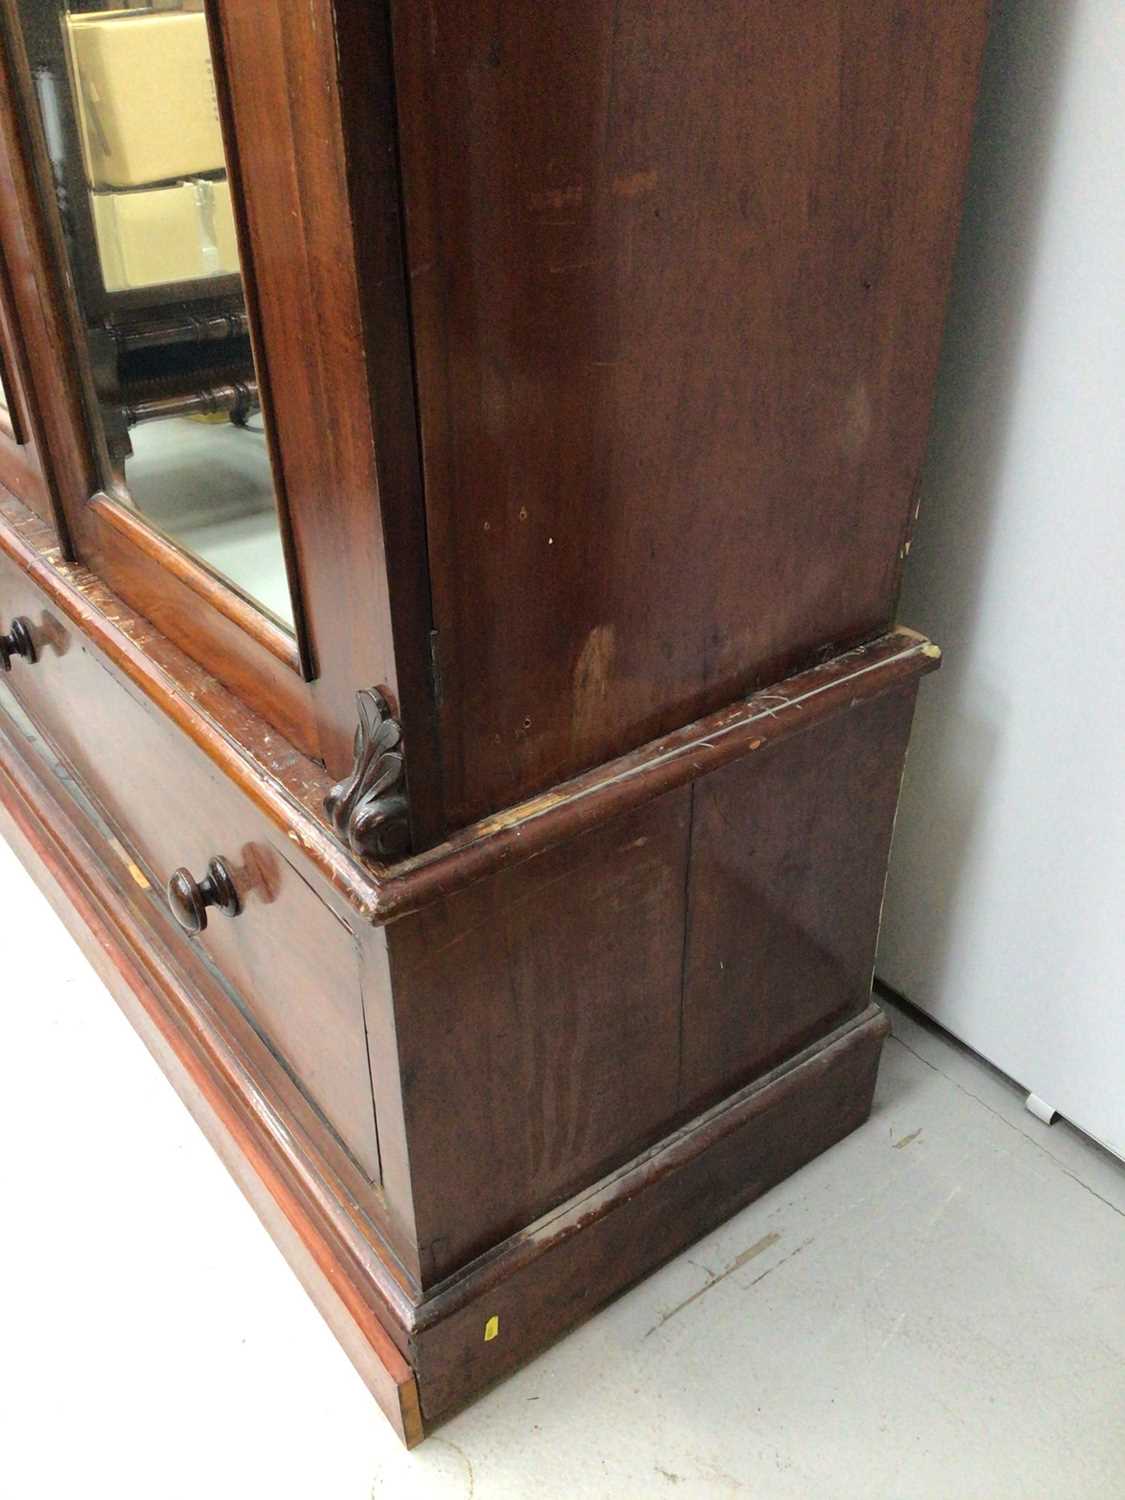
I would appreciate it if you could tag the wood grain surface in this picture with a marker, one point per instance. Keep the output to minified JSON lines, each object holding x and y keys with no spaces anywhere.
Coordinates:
{"x":678,"y":276}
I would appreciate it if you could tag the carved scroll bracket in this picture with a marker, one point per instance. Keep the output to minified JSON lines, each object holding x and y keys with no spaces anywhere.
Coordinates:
{"x":368,"y":809}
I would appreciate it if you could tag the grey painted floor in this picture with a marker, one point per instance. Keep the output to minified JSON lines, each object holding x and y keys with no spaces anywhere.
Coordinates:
{"x":934,"y":1308}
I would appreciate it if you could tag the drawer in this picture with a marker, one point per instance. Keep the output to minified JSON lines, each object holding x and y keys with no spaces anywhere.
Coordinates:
{"x":293,"y":964}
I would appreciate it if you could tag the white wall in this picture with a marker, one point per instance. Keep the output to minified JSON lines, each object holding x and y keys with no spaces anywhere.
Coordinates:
{"x":1005,"y":912}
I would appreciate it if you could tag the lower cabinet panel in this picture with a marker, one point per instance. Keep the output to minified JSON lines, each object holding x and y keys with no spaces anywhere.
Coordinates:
{"x":537,"y":1015}
{"x":553,"y":1019}
{"x":789,"y":853}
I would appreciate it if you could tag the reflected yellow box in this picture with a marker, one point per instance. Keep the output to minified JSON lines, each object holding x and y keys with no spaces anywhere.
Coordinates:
{"x":153,"y":236}
{"x":148,"y":237}
{"x":145,"y":93}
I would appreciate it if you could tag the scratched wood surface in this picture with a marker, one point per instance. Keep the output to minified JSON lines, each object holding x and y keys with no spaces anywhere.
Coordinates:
{"x":555,"y":1018}
{"x":676,"y":276}
{"x":539,"y":1282}
{"x":571,"y":1263}
{"x":306,"y":1193}
{"x":537,"y":1023}
{"x":677,"y":279}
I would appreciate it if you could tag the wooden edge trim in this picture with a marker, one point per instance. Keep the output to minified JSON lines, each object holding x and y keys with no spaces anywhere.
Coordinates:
{"x":171,"y":606}
{"x":14,"y":427}
{"x":54,"y":406}
{"x":381,"y":893}
{"x":763,"y":719}
{"x":271,"y":636}
{"x":266,"y":1162}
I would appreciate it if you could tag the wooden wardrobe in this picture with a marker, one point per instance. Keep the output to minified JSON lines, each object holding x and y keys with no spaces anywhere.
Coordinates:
{"x":457,"y":463}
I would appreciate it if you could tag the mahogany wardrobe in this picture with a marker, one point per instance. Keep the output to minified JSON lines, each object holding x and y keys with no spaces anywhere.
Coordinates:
{"x":457,"y":462}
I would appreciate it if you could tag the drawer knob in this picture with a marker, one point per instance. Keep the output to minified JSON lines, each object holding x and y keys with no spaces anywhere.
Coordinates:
{"x":189,"y":898}
{"x":17,"y":642}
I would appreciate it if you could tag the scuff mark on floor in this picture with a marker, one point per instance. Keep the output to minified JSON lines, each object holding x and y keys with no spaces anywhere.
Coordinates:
{"x":804,"y":1245}
{"x":464,"y":1457}
{"x":668,"y":1475}
{"x":701,"y":1266}
{"x":739,"y":1261}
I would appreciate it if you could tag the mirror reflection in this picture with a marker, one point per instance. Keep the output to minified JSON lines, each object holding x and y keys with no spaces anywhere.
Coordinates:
{"x":131,"y":122}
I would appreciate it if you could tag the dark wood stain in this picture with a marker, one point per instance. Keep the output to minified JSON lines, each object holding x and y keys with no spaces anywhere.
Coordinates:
{"x":568,"y":1265}
{"x":537,"y":1028}
{"x":327,"y":303}
{"x":553,"y":1019}
{"x":678,"y":277}
{"x":290,"y":790}
{"x":283,"y":1162}
{"x":286,"y":137}
{"x":788,"y":858}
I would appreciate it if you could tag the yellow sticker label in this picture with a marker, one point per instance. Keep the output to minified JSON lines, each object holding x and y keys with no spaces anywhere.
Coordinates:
{"x":134,"y":870}
{"x":491,"y":1328}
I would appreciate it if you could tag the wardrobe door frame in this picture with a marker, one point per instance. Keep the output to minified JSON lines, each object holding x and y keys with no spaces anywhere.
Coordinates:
{"x":22,"y":470}
{"x":301,"y":90}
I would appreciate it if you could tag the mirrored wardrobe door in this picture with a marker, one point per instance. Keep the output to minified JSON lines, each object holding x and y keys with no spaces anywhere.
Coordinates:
{"x":140,"y":190}
{"x":240,"y":329}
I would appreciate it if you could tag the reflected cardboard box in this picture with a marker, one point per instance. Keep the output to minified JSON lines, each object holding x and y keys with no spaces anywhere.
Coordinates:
{"x":145,"y":95}
{"x":157,"y":236}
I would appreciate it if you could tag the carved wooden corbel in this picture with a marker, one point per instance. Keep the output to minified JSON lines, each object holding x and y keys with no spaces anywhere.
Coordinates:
{"x":368,"y":809}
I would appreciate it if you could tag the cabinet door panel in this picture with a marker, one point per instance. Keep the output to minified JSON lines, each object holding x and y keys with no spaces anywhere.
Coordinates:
{"x":310,"y":106}
{"x":312,"y":337}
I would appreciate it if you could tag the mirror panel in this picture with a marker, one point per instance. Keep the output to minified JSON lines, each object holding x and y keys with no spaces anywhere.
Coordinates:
{"x":131,"y":123}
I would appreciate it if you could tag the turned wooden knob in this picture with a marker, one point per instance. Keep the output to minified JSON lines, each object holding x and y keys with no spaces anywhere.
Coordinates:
{"x":17,"y":642}
{"x":189,"y":898}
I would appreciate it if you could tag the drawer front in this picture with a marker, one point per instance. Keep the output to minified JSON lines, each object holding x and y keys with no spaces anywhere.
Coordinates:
{"x":292,"y":962}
